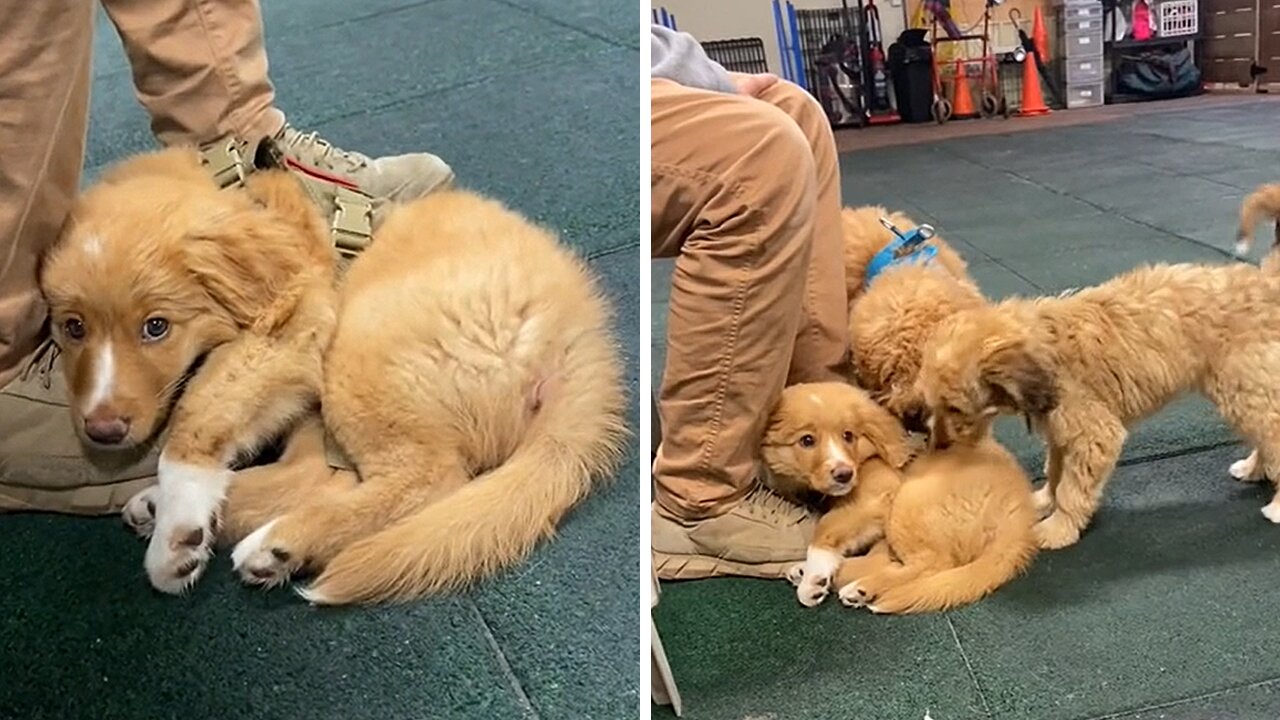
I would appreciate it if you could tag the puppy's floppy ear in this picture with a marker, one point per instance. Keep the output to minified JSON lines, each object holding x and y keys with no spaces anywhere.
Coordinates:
{"x":884,"y":431}
{"x":1017,"y":378}
{"x":248,"y":260}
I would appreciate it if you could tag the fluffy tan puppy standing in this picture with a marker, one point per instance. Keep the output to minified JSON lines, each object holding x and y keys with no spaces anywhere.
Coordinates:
{"x":1084,"y":366}
{"x":891,"y":318}
{"x":944,"y":530}
{"x":465,"y":366}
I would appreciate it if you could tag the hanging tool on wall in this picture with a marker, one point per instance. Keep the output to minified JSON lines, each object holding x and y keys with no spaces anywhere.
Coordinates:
{"x":1033,"y":53}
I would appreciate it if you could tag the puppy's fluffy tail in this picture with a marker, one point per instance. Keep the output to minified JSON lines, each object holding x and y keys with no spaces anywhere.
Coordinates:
{"x":1261,"y":204}
{"x":489,"y":523}
{"x":1008,"y":554}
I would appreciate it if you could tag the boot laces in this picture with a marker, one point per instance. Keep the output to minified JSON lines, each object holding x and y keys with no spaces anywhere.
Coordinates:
{"x":42,"y":364}
{"x":325,"y":151}
{"x":764,"y":503}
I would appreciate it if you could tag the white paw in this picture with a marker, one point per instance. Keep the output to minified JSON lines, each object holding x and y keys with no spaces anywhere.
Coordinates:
{"x":796,"y":574}
{"x":811,"y":593}
{"x":139,"y":514}
{"x":259,"y":562}
{"x":187,"y":505}
{"x":1272,"y":512}
{"x":852,"y":595}
{"x":1246,"y":470}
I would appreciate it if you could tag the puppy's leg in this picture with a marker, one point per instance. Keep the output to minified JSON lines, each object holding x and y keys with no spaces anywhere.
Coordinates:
{"x":1246,"y":394}
{"x":248,"y":391}
{"x":301,"y":477}
{"x":314,"y":533}
{"x":1097,"y":437}
{"x":257,"y":494}
{"x":856,"y":567}
{"x":863,"y":590}
{"x":1248,"y":470}
{"x":1267,"y":456}
{"x":1043,"y":497}
{"x":846,"y":529}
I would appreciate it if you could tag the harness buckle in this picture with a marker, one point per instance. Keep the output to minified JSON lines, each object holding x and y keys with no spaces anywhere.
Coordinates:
{"x":225,"y":161}
{"x":352,"y":225}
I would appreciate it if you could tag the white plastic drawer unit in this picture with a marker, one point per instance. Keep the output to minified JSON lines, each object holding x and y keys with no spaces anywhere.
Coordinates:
{"x":1084,"y":11}
{"x":1075,"y":27}
{"x":1088,"y":44}
{"x":1082,"y":96}
{"x":1083,"y":71}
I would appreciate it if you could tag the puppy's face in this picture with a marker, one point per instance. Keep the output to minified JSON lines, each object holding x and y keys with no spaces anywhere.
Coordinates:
{"x":129,"y":314}
{"x":819,"y":433}
{"x":976,"y":367}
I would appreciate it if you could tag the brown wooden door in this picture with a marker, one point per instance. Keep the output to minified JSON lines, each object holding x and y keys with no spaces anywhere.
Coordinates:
{"x":1269,"y":40}
{"x":1231,"y":39}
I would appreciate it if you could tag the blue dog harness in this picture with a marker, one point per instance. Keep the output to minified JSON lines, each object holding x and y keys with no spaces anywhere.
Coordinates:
{"x":904,"y":250}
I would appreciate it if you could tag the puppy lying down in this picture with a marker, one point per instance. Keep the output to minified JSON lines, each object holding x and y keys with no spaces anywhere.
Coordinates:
{"x":943,"y":530}
{"x":464,"y":364}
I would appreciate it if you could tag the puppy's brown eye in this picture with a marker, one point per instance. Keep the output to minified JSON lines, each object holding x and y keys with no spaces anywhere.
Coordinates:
{"x":154,"y":329}
{"x":848,"y":436}
{"x":74,"y":328}
{"x":953,"y":410}
{"x":808,"y":441}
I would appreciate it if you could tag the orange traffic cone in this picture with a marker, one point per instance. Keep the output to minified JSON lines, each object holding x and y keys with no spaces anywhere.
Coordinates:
{"x":1032,"y":99}
{"x":962,"y":104}
{"x":1040,"y":37}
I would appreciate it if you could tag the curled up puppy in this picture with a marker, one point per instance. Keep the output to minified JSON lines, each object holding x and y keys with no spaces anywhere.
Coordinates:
{"x":464,"y":365}
{"x":938,"y":532}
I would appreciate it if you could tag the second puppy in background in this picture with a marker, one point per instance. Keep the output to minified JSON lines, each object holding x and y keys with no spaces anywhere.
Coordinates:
{"x":894,"y":311}
{"x":943,"y":530}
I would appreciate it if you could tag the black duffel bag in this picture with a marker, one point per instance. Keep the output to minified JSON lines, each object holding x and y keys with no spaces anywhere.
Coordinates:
{"x":1158,"y":74}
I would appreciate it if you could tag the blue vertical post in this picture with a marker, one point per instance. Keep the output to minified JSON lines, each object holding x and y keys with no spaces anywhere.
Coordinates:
{"x":673,"y":22}
{"x":665,"y":18}
{"x":654,"y":12}
{"x":782,"y":41}
{"x":798,"y":68}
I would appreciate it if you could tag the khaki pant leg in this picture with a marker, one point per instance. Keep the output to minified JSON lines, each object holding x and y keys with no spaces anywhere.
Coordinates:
{"x":733,"y":186}
{"x":199,"y":67}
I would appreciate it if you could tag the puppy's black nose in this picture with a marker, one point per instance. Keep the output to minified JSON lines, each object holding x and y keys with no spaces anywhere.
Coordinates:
{"x":842,"y":475}
{"x":107,"y":430}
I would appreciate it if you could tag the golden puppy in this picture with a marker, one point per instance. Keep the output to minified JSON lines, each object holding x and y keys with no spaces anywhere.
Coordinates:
{"x":947,"y":530}
{"x":1262,"y":203}
{"x":1083,"y":367}
{"x":890,"y":320}
{"x":465,"y":367}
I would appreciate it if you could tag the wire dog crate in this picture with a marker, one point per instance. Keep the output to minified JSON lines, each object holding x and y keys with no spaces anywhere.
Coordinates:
{"x":820,"y":30}
{"x":744,"y":55}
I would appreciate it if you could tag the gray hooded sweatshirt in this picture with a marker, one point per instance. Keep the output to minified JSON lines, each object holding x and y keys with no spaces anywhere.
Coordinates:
{"x":678,"y":56}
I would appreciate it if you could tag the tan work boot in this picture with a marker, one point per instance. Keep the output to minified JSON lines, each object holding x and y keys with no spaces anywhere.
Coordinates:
{"x":325,"y":168}
{"x":43,"y":464}
{"x":762,"y":536}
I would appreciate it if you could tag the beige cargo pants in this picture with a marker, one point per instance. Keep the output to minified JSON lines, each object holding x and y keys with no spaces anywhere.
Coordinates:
{"x":746,"y":197}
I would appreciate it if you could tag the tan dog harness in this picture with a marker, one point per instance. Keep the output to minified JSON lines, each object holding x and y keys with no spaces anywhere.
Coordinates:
{"x":229,"y":162}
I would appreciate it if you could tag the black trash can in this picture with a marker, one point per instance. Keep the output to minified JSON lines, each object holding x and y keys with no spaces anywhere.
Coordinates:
{"x":911,"y":62}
